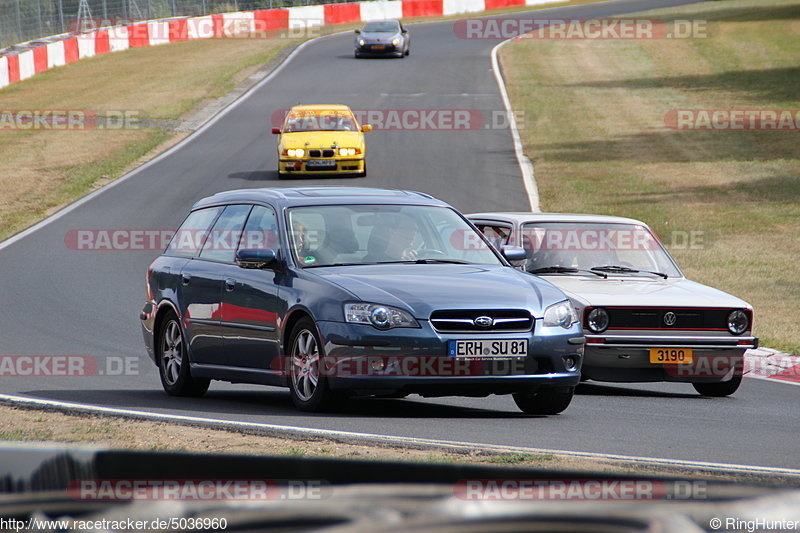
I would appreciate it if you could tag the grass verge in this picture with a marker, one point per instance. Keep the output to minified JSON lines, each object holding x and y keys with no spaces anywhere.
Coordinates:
{"x":594,"y":125}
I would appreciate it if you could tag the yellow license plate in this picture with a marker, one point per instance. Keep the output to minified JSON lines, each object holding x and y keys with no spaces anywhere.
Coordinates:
{"x":671,"y":356}
{"x":377,"y":47}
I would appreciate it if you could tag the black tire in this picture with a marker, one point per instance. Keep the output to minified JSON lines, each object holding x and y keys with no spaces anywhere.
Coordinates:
{"x":309,"y":389}
{"x":544,"y":401}
{"x":408,"y":52}
{"x":173,"y":361}
{"x":718,"y":390}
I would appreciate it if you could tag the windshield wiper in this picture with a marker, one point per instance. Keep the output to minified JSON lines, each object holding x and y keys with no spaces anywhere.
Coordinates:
{"x":564,"y":270}
{"x":624,"y":269}
{"x":425,"y":262}
{"x":336,"y":265}
{"x":450,"y":261}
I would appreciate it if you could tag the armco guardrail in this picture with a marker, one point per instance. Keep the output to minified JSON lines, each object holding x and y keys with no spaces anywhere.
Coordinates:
{"x":23,"y":61}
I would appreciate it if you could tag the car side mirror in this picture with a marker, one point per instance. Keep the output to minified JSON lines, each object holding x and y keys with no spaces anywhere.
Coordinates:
{"x":405,"y":31}
{"x":366,"y":127}
{"x":276,"y":131}
{"x":514,"y":255}
{"x":257,"y":259}
{"x":357,"y":31}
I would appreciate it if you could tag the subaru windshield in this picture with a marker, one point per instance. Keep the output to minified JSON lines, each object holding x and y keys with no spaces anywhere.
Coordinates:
{"x":372,"y":234}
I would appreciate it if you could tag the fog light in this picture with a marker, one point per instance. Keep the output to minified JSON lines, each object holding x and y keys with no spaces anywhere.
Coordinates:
{"x":570,"y":362}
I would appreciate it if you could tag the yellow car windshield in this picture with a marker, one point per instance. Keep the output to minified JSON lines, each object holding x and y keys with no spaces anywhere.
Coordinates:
{"x":299,"y":122}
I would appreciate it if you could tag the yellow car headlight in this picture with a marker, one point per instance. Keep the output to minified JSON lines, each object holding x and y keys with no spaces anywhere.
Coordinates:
{"x":344,"y":152}
{"x":295,"y":152}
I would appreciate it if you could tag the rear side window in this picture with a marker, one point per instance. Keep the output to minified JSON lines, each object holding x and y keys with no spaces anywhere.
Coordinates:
{"x":189,"y":239}
{"x":221,"y":243}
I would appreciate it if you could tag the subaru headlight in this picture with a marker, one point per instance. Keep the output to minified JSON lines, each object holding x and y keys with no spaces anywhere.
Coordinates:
{"x":378,"y":316}
{"x":738,"y":322}
{"x":560,"y":314}
{"x":597,"y":320}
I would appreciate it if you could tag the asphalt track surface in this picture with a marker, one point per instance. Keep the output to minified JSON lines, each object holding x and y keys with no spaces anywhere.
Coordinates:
{"x":60,"y":301}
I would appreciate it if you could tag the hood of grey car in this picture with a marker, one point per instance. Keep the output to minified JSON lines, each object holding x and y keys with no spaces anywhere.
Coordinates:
{"x":428,"y":287}
{"x":642,"y":291}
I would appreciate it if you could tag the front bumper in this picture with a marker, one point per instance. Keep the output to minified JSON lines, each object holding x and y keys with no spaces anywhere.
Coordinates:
{"x":288,"y":166}
{"x":361,"y":358}
{"x":371,"y":50}
{"x":626,"y":357}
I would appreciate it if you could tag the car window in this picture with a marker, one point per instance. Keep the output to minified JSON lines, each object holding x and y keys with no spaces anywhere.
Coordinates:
{"x":381,"y":27}
{"x":308,"y":230}
{"x":261,"y":230}
{"x":221,"y":243}
{"x":497,"y":235}
{"x":189,"y":238}
{"x":369,"y":234}
{"x":319,"y":121}
{"x":585,"y":245}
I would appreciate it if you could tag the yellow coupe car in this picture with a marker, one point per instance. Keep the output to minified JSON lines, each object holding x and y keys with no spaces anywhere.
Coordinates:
{"x":321,"y":139}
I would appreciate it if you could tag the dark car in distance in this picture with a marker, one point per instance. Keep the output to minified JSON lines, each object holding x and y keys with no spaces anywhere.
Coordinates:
{"x":382,"y":38}
{"x":339,"y":291}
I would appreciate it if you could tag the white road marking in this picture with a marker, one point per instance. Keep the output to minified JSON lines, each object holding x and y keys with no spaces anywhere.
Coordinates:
{"x":525,"y":164}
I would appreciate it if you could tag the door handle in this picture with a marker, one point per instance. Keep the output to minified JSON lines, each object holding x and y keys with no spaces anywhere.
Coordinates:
{"x":185,"y":279}
{"x":230,"y":284}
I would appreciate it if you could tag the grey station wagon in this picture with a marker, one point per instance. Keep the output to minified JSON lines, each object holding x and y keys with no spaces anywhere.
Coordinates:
{"x":338,"y":292}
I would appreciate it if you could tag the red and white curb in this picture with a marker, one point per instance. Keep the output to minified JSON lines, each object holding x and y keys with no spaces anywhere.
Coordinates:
{"x":766,"y":363}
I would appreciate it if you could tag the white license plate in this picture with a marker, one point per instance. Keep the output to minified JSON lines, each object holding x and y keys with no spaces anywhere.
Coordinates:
{"x":321,"y":163}
{"x":488,"y":348}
